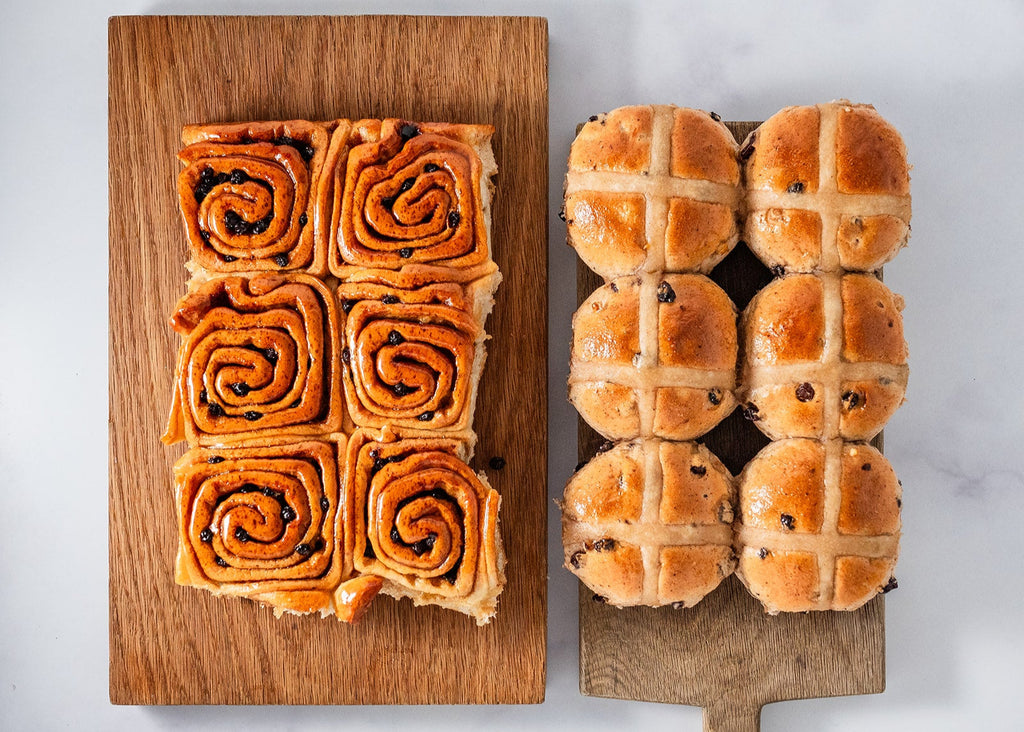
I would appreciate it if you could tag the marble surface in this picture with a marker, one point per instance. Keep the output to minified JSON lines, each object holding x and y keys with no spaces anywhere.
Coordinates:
{"x":951,"y":78}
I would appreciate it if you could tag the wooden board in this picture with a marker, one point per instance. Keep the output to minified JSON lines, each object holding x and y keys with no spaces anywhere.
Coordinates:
{"x":725,"y":654}
{"x":175,"y":645}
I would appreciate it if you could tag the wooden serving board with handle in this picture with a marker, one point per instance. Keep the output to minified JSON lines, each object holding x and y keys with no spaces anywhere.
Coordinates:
{"x":177,"y":645}
{"x":725,"y":654}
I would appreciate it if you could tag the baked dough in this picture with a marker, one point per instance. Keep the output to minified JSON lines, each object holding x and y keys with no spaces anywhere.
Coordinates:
{"x":818,"y":525}
{"x":259,"y":356}
{"x":423,"y":521}
{"x":266,"y":522}
{"x":412,"y":357}
{"x":826,"y":188}
{"x":416,"y":197}
{"x":649,"y":523}
{"x":654,"y":356}
{"x":251,"y":196}
{"x":652,"y":189}
{"x":824,"y":356}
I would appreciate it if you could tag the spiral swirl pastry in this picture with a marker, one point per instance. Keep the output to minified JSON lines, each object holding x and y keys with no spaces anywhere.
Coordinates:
{"x":249,"y":195}
{"x":417,"y":195}
{"x":412,"y":357}
{"x":258,"y":358}
{"x":267,"y":523}
{"x":422,"y":520}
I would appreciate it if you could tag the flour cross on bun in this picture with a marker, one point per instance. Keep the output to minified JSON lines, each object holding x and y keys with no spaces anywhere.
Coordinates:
{"x":649,"y":523}
{"x":818,"y":525}
{"x":826,"y":188}
{"x":653,"y":188}
{"x":654,"y":356}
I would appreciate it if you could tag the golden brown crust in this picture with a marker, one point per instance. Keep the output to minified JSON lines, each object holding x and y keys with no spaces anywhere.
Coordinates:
{"x":611,"y":225}
{"x":648,"y":523}
{"x":618,"y":141}
{"x":703,"y":148}
{"x":785,"y":322}
{"x":872,"y":323}
{"x":867,"y":242}
{"x":816,"y":529}
{"x":786,"y":479}
{"x":784,"y":151}
{"x":654,"y":356}
{"x":870,"y":154}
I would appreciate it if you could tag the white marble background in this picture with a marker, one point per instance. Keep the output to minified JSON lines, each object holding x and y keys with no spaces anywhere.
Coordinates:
{"x":949,"y":75}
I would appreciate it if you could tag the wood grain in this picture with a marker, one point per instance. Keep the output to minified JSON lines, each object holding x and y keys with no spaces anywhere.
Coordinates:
{"x":725,"y":654}
{"x":175,"y":645}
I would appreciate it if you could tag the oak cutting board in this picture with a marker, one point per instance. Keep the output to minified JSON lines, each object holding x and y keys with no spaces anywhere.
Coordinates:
{"x":175,"y":645}
{"x":725,"y":654}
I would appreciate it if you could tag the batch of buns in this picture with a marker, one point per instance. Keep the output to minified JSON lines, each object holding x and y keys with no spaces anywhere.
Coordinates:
{"x":655,"y":198}
{"x":332,"y":345}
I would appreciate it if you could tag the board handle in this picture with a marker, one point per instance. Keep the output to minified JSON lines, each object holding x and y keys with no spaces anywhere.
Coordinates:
{"x":731,"y":717}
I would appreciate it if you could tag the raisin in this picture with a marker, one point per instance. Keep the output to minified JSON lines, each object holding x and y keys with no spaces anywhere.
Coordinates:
{"x":281,"y":260}
{"x":453,"y":219}
{"x":666,"y":293}
{"x":604,"y":545}
{"x":303,"y":550}
{"x":787,"y":521}
{"x":698,"y":470}
{"x":206,"y":536}
{"x":389,"y":299}
{"x":715,"y":397}
{"x":405,"y":252}
{"x":851,"y":399}
{"x":805,"y":392}
{"x":425,"y":417}
{"x":431,"y":168}
{"x":891,"y":585}
{"x":252,"y":415}
{"x":288,"y":513}
{"x":574,"y":560}
{"x":763,"y":553}
{"x":795,"y":187}
{"x":395,"y":338}
{"x":408,"y":131}
{"x":241,"y":534}
{"x":214,"y":459}
{"x":240,"y":388}
{"x":751,"y":412}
